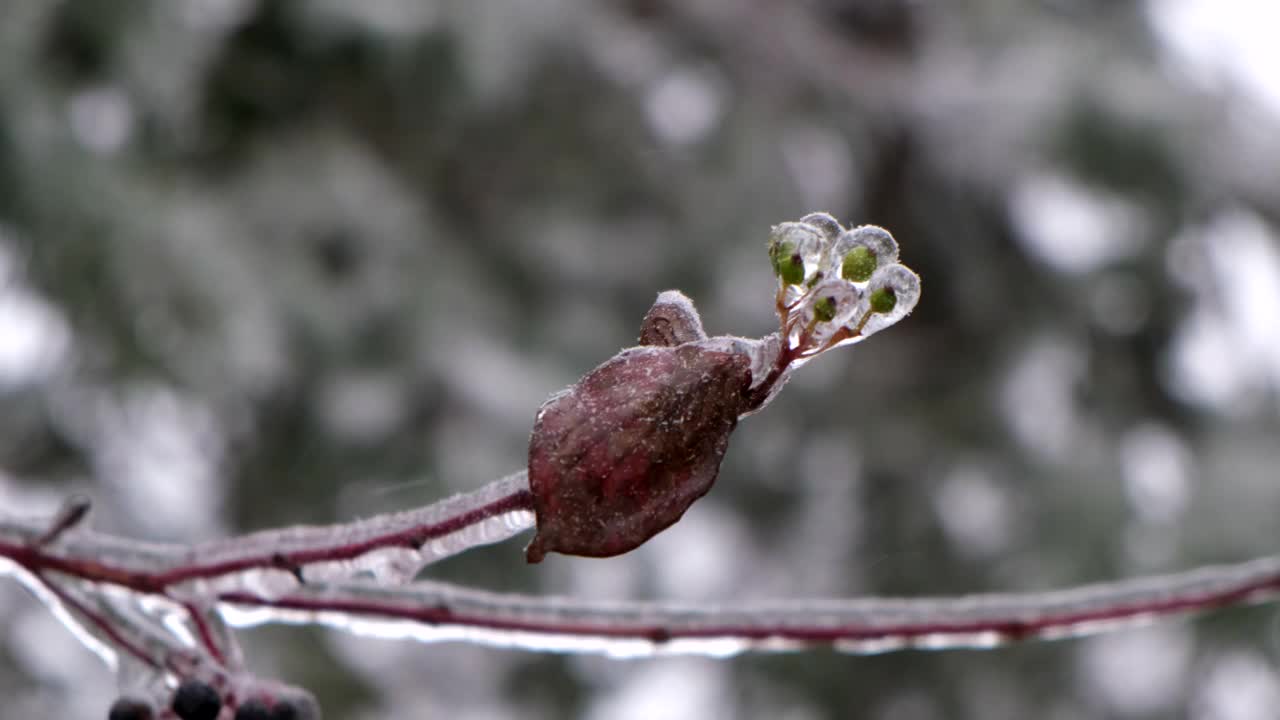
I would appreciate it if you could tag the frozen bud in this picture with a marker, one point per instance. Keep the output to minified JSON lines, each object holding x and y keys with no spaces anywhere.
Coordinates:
{"x":883,"y":300}
{"x":621,"y":455}
{"x":825,"y":223}
{"x":671,"y":321}
{"x":860,"y":251}
{"x":796,"y":250}
{"x":829,"y":305}
{"x":893,"y":292}
{"x":859,"y":263}
{"x":824,"y":308}
{"x":788,"y":263}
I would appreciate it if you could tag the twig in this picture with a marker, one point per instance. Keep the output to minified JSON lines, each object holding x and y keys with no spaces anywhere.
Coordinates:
{"x":436,"y":611}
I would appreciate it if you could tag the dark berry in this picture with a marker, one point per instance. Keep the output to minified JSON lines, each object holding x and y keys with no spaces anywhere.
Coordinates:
{"x":285,"y":710}
{"x":196,"y":700}
{"x":253,"y":710}
{"x":258,"y":710}
{"x":127,"y":708}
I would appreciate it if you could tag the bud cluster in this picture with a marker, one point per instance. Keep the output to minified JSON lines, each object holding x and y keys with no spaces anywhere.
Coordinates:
{"x":837,"y":286}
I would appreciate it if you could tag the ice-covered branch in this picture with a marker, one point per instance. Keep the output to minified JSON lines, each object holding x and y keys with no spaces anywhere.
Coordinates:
{"x":432,"y":612}
{"x":392,"y":547}
{"x":153,"y":611}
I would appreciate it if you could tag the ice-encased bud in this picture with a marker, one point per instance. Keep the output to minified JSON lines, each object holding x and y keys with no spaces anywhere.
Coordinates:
{"x":878,"y":249}
{"x":827,"y":306}
{"x":893,"y":293}
{"x":671,"y":321}
{"x":787,"y":262}
{"x":883,"y":300}
{"x":796,"y":250}
{"x":825,"y":223}
{"x":621,"y":454}
{"x":824,"y":308}
{"x":859,"y":263}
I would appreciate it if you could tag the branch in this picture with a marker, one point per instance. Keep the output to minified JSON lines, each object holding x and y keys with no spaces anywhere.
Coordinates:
{"x":433,"y":612}
{"x":392,"y":547}
{"x":153,"y":611}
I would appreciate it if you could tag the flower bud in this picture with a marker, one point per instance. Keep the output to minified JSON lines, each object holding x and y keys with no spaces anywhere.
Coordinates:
{"x":620,"y":456}
{"x":894,"y":291}
{"x":671,"y":321}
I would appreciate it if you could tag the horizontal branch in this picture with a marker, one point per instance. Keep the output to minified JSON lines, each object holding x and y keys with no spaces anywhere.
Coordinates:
{"x":318,"y":575}
{"x":433,"y":612}
{"x":409,"y":540}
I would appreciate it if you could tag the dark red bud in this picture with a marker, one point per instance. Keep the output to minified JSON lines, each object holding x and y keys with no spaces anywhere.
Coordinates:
{"x":621,"y":455}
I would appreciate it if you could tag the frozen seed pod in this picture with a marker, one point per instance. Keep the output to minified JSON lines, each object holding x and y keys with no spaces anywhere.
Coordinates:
{"x":621,"y":455}
{"x":796,"y":250}
{"x":825,"y":223}
{"x":891,"y":295}
{"x":825,"y":309}
{"x":859,"y":252}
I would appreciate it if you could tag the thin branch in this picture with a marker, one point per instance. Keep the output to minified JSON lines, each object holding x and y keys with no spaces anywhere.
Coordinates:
{"x":435,"y":611}
{"x":494,"y":512}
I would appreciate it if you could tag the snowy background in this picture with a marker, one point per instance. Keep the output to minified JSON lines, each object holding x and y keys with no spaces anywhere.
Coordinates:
{"x":265,"y":263}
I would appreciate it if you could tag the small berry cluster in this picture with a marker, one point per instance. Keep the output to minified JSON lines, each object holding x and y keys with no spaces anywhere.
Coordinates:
{"x":198,"y":700}
{"x":837,"y":286}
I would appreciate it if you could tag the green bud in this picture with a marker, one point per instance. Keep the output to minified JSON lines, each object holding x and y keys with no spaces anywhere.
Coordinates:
{"x":883,"y":300}
{"x":825,"y":309}
{"x":787,"y":263}
{"x":858,"y":264}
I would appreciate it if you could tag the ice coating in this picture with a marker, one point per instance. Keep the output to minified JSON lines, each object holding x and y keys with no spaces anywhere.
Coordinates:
{"x":905,"y":288}
{"x":274,"y":562}
{"x":419,"y":537}
{"x":671,"y":321}
{"x":883,"y":248}
{"x":829,"y":306}
{"x":825,"y":223}
{"x":797,"y":250}
{"x":615,"y":459}
{"x":858,"y":288}
{"x":435,"y":612}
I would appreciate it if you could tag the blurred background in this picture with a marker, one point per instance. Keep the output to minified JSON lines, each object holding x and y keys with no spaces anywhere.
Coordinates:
{"x":265,"y":263}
